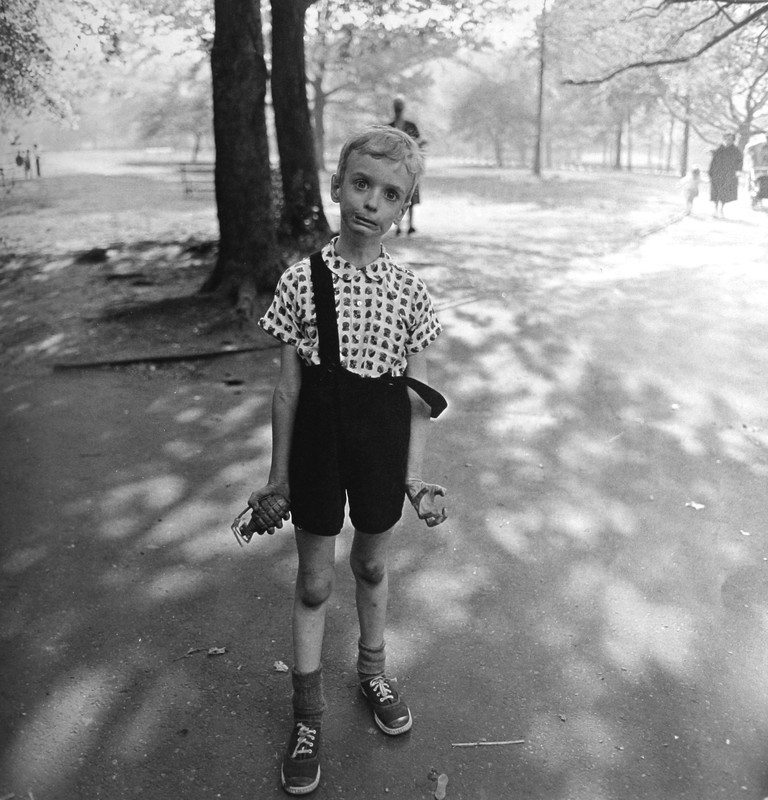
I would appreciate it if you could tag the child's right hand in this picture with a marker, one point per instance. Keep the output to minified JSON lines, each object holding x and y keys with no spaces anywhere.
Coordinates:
{"x":271,"y":506}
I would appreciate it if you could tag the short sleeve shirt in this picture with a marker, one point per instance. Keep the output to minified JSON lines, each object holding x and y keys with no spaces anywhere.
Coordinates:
{"x":384,"y":313}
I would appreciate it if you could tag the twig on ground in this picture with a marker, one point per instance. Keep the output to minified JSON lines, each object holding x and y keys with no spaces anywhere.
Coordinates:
{"x":191,"y":355}
{"x":190,"y":652}
{"x":486,"y":744}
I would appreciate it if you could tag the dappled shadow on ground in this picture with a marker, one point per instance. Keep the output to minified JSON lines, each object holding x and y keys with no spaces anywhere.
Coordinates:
{"x":118,"y":301}
{"x":599,"y":589}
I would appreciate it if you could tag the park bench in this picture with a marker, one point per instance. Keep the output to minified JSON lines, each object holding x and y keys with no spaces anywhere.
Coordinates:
{"x":197,"y":177}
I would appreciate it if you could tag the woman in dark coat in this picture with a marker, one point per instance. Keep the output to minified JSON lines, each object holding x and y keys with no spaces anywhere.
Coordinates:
{"x":723,"y":179}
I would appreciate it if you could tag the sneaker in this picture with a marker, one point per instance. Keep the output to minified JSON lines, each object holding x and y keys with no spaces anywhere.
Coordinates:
{"x":390,"y":712}
{"x":300,"y":771}
{"x":411,"y":230}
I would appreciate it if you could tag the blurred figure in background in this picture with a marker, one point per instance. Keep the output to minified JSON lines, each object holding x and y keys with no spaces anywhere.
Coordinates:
{"x":690,"y":186}
{"x":405,"y":125}
{"x":723,"y":174}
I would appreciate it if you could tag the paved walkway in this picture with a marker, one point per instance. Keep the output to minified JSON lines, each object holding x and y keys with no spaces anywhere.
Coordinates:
{"x":598,"y":592}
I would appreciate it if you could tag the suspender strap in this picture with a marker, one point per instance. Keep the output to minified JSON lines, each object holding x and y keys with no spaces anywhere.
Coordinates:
{"x":328,"y":333}
{"x":325,"y":308}
{"x":436,"y":402}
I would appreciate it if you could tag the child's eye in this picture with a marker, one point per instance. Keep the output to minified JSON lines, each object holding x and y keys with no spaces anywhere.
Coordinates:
{"x":392,"y":195}
{"x":360,"y":184}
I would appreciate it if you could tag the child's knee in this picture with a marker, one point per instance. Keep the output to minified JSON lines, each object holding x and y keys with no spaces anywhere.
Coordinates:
{"x":313,"y":590}
{"x":368,"y":570}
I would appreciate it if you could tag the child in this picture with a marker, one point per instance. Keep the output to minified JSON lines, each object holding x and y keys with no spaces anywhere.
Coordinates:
{"x":690,"y":187}
{"x":345,"y":428}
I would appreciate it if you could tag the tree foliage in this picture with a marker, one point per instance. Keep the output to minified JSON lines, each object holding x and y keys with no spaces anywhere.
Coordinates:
{"x":728,"y":91}
{"x":495,"y":107}
{"x":360,"y":53}
{"x":625,"y":35}
{"x":180,"y":107}
{"x":41,"y":42}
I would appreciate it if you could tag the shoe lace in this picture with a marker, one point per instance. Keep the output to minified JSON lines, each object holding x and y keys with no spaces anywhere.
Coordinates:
{"x":382,"y":688}
{"x":305,"y":741}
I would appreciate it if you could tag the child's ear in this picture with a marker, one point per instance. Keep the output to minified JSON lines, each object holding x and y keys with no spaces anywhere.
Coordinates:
{"x":335,"y":188}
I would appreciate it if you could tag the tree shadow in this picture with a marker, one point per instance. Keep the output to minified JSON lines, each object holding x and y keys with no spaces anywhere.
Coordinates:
{"x":598,"y":590}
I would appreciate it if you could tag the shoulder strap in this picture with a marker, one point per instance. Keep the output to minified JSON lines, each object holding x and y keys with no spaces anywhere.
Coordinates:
{"x":325,"y":308}
{"x":328,"y":333}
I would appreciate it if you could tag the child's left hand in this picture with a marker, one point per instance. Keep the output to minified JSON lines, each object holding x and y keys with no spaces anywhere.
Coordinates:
{"x":424,"y":498}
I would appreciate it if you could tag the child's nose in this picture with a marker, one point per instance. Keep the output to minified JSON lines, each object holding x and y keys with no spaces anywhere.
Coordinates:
{"x":372,"y":200}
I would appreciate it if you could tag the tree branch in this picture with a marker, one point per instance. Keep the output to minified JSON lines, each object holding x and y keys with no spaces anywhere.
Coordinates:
{"x":664,"y":62}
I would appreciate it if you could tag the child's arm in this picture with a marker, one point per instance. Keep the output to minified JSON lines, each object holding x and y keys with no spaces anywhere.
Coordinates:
{"x":425,"y":497}
{"x":270,"y":514}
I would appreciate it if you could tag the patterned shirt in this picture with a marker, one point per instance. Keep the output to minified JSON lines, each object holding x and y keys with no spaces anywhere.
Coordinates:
{"x":383,"y":312}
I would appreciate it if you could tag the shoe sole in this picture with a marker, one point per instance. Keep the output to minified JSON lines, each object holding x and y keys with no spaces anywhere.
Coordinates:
{"x":395,"y":731}
{"x":299,"y":789}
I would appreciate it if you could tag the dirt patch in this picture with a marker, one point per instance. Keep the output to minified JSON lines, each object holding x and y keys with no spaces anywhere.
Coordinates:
{"x":123,"y":301}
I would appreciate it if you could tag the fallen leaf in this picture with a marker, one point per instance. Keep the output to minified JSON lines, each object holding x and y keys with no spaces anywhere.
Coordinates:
{"x":695,"y":506}
{"x":281,"y":666}
{"x":217,"y":651}
{"x":745,"y":533}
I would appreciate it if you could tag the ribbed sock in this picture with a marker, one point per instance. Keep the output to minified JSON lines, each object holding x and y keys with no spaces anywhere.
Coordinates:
{"x":371,"y":661}
{"x":308,"y":699}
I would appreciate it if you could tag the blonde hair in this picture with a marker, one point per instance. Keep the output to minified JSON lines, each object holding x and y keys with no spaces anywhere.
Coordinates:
{"x":384,"y":141}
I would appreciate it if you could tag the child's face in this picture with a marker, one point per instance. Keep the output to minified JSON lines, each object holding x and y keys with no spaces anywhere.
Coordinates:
{"x":372,"y":195}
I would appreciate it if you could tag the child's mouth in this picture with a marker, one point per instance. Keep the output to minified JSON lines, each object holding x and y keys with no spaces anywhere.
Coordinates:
{"x":365,"y":221}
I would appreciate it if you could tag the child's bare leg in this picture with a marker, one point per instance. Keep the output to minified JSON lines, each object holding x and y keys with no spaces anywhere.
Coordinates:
{"x":300,"y":769}
{"x":314,"y":584}
{"x":368,"y":559}
{"x":369,"y":565}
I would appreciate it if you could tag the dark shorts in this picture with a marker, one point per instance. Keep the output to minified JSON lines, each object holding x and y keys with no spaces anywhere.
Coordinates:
{"x":350,"y":444}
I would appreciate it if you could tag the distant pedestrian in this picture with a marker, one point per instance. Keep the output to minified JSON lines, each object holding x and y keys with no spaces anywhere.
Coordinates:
{"x":27,"y":165}
{"x":690,"y":186}
{"x":36,"y":153}
{"x":726,"y":162}
{"x":346,"y":429}
{"x":409,"y":127}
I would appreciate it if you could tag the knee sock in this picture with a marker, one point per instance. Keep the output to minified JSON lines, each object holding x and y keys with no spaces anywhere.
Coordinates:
{"x":370,"y":660}
{"x":308,"y":700}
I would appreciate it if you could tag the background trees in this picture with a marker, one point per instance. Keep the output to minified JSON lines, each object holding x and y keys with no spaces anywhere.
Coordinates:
{"x":495,"y":105}
{"x":626,"y":84}
{"x":35,"y":38}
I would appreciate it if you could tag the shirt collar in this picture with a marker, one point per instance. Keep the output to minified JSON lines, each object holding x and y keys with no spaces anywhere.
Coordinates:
{"x":376,"y":271}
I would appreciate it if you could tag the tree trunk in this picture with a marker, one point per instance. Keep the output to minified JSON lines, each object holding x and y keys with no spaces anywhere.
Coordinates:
{"x":197,"y":138}
{"x":498,"y":150}
{"x":540,"y":94}
{"x":670,"y":145}
{"x":303,"y":216}
{"x":318,"y":115}
{"x":617,"y":152}
{"x":685,"y":144}
{"x":248,"y":260}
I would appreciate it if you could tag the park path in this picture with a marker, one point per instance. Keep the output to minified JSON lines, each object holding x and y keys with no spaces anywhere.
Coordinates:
{"x":599,"y":590}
